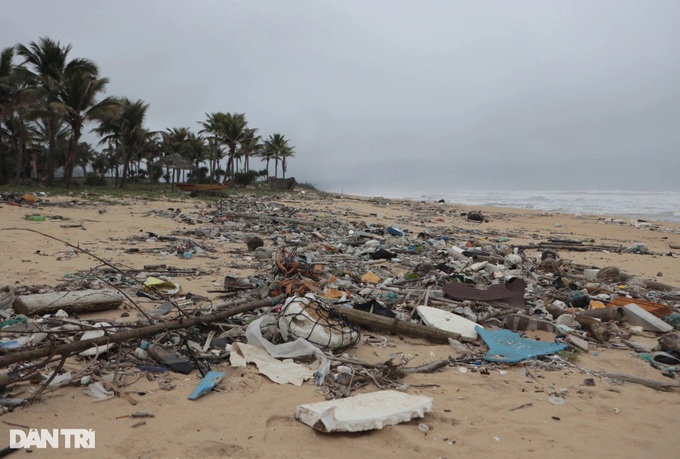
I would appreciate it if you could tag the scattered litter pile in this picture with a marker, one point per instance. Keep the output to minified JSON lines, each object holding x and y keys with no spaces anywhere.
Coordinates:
{"x":322,"y":284}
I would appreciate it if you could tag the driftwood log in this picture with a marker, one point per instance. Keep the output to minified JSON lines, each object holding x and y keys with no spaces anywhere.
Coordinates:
{"x":76,"y":301}
{"x":396,"y":326}
{"x":594,"y":326}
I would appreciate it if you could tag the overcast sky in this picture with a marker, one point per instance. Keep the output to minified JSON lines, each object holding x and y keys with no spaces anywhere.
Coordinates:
{"x":413,"y":96}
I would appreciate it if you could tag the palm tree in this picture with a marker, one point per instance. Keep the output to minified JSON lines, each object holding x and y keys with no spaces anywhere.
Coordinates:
{"x":250,"y":146}
{"x":287,"y":152}
{"x":86,"y":154}
{"x":212,"y":128}
{"x":76,"y":101}
{"x":14,"y":98}
{"x":126,"y":131}
{"x":277,"y":148}
{"x":231,"y":129}
{"x":176,"y":140}
{"x":47,"y":61}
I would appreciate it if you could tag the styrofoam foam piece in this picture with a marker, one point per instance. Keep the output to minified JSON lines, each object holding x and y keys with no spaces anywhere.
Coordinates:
{"x":448,"y":321}
{"x":635,"y":315}
{"x":370,"y":411}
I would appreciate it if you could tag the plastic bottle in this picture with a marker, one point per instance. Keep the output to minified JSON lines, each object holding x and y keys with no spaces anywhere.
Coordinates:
{"x":172,"y":360}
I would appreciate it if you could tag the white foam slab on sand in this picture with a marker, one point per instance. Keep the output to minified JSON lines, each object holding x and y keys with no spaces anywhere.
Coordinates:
{"x":364,"y":412}
{"x":448,"y":321}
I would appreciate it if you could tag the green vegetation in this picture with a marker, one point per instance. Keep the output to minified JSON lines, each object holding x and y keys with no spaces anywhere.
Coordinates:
{"x":47,"y":98}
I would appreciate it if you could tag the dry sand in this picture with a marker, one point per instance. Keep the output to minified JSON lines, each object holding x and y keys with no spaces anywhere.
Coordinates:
{"x":502,"y":414}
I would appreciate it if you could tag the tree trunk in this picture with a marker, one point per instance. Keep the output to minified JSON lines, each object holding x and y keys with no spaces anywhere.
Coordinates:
{"x":21,"y":153}
{"x":51,"y":149}
{"x":2,"y":160}
{"x":71,"y":159}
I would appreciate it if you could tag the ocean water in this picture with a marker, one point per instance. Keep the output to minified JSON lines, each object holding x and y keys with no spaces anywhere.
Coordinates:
{"x":646,"y":205}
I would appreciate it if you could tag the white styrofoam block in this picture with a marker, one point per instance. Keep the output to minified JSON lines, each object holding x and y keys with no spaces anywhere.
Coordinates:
{"x":364,"y":412}
{"x":448,"y":321}
{"x":635,"y":315}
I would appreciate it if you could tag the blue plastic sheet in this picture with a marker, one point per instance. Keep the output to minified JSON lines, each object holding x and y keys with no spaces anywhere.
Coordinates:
{"x":207,"y":384}
{"x":509,"y":347}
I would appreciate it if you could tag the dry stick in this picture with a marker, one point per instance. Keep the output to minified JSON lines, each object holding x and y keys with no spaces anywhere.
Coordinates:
{"x":115,"y":373}
{"x":104,"y":262}
{"x":298,"y":221}
{"x":49,"y":380}
{"x":79,"y":346}
{"x":427,"y":368}
{"x":653,"y":383}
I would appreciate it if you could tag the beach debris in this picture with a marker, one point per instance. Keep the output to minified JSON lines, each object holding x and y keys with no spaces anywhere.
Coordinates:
{"x":476,"y":216}
{"x":162,"y":286}
{"x":509,"y":347}
{"x":448,"y":321}
{"x":208,"y":383}
{"x":308,"y":318}
{"x":508,"y":295}
{"x":167,"y":357}
{"x":325,"y":278}
{"x":658,"y":309}
{"x":669,"y":342}
{"x":397,"y":326}
{"x":370,"y":411}
{"x":97,"y":332}
{"x":6,"y":297}
{"x":280,"y":372}
{"x":76,"y":301}
{"x":518,"y":322}
{"x":99,"y":392}
{"x":254,"y":243}
{"x":635,"y":315}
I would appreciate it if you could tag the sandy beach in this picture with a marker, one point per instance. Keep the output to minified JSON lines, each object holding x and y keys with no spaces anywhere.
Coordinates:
{"x":502,"y":413}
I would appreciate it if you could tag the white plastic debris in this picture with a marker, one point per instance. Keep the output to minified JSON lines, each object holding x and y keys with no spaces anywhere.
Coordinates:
{"x":98,"y":391}
{"x":448,"y":321}
{"x":364,"y":412}
{"x":91,"y":334}
{"x":301,"y":317}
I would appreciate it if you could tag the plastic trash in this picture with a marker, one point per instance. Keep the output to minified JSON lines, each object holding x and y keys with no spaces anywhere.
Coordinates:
{"x":394,"y":231}
{"x":207,"y":384}
{"x":172,"y":360}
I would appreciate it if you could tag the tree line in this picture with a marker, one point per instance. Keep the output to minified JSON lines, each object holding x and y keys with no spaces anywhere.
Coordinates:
{"x":47,"y":99}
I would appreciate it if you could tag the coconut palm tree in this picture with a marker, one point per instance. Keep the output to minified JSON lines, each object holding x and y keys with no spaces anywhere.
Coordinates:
{"x":285,"y":153}
{"x":14,"y":99}
{"x":176,"y":140}
{"x":249,"y":146}
{"x":212,"y":133}
{"x":76,"y":101}
{"x":126,"y":131}
{"x":276,"y":147}
{"x":45,"y":64}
